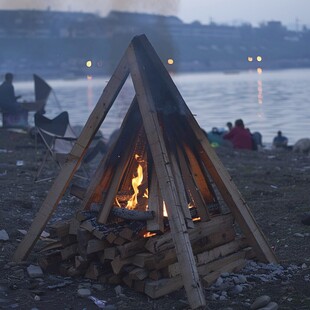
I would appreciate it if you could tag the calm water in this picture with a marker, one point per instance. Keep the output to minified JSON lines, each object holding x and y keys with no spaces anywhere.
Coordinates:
{"x":272,"y":101}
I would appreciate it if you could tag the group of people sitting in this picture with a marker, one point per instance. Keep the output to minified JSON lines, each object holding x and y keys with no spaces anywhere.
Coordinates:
{"x":237,"y":136}
{"x":240,"y":137}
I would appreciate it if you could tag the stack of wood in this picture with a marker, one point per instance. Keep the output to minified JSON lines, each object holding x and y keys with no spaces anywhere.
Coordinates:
{"x":123,"y":252}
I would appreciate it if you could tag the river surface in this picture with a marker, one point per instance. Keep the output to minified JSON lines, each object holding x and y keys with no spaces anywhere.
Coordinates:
{"x":267,"y":102}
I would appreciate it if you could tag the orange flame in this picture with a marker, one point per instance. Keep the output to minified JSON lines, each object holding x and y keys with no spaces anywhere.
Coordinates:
{"x":135,"y":182}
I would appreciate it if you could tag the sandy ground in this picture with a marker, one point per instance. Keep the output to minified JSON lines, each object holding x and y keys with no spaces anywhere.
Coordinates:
{"x":275,"y":185}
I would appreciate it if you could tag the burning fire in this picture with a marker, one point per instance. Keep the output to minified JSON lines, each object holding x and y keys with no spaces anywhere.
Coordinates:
{"x":136,"y":182}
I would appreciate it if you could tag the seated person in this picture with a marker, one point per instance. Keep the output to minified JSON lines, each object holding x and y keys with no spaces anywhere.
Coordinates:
{"x":13,"y":115}
{"x":280,"y":141}
{"x":239,"y":136}
{"x":8,"y":100}
{"x":257,"y":140}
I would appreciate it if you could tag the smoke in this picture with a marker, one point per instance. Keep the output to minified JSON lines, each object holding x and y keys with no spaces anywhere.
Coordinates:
{"x":168,"y":7}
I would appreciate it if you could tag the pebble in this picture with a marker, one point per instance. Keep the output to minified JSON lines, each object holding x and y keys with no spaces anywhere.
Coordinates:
{"x":271,"y":306}
{"x":260,"y":302}
{"x":299,"y":235}
{"x":34,"y":271}
{"x":84,"y":292}
{"x":4,"y":235}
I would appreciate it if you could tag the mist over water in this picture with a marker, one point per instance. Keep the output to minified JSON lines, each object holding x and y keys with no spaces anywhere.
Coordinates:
{"x":275,"y":100}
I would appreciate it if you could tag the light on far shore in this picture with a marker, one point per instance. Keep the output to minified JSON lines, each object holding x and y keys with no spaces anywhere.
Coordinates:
{"x":259,"y":58}
{"x":88,"y":63}
{"x":259,"y":70}
{"x":250,"y":59}
{"x":170,"y":61}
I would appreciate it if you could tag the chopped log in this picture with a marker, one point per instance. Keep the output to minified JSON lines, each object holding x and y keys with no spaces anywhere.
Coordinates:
{"x":212,"y":259}
{"x":59,"y":229}
{"x":95,"y":245}
{"x":73,"y":272}
{"x":110,"y":252}
{"x":131,"y":248}
{"x":74,"y":226}
{"x":203,"y":229}
{"x":138,"y":274}
{"x":101,"y":235}
{"x":133,"y":215}
{"x":155,"y":275}
{"x":118,"y":263}
{"x":88,"y":225}
{"x":162,"y":287}
{"x":159,"y":260}
{"x":48,"y":262}
{"x":111,"y":237}
{"x":220,"y":263}
{"x":69,"y":251}
{"x":140,"y":259}
{"x":81,"y":263}
{"x":63,"y":242}
{"x":119,"y":240}
{"x":127,"y":234}
{"x":233,"y":266}
{"x":220,"y":251}
{"x":128,"y":281}
{"x":83,"y":236}
{"x":93,"y":271}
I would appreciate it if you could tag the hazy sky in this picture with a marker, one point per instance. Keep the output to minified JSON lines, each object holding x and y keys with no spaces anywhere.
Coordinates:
{"x":289,"y":12}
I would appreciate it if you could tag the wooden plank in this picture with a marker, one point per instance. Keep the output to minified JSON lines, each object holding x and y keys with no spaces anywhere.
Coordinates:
{"x":155,"y":204}
{"x":209,"y":256}
{"x":199,"y":177}
{"x":219,"y":174}
{"x":192,"y":187}
{"x":180,"y":187}
{"x":223,"y":250}
{"x":233,"y":266}
{"x":164,"y":173}
{"x":131,"y":248}
{"x":72,"y":164}
{"x":203,"y":229}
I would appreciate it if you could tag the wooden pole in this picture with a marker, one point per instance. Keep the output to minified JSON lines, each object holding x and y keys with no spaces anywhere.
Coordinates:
{"x":166,"y":180}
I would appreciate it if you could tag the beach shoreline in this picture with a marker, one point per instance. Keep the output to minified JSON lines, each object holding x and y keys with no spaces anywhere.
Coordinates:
{"x":275,"y":185}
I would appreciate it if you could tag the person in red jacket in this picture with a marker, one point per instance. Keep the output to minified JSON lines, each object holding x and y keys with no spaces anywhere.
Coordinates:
{"x":239,"y":136}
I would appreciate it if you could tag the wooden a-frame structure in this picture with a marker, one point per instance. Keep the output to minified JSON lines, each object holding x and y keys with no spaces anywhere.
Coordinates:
{"x":147,"y":72}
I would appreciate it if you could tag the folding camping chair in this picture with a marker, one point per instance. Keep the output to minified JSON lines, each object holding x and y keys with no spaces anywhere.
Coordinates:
{"x":58,"y":137}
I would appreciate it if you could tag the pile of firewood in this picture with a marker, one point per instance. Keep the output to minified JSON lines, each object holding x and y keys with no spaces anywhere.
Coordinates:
{"x":125,"y":252}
